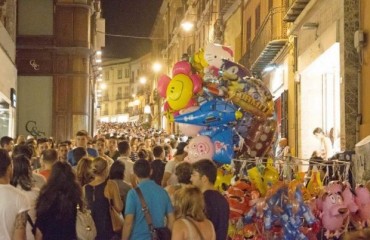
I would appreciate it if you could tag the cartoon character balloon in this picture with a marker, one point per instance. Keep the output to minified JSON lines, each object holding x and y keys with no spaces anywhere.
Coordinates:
{"x":222,"y":139}
{"x":214,"y":53}
{"x":334,"y":213}
{"x":199,"y":148}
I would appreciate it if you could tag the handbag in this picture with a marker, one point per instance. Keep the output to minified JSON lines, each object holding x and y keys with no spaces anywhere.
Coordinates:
{"x":116,"y":217}
{"x":85,"y":225}
{"x":161,"y":233}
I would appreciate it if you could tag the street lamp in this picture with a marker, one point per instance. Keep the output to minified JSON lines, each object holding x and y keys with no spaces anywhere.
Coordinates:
{"x":103,"y":86}
{"x":157,"y":67}
{"x":187,"y":26}
{"x":142,"y":80}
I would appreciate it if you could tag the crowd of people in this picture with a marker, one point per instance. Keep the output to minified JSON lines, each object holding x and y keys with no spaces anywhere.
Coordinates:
{"x":47,"y":182}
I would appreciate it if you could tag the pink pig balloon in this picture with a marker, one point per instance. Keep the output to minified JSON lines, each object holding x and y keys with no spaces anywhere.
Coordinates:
{"x":189,"y":129}
{"x":349,"y":199}
{"x":362,"y":200}
{"x":334,"y":187}
{"x":199,"y":148}
{"x":334,"y":211}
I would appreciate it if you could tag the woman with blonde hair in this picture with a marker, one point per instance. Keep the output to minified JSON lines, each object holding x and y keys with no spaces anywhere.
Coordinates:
{"x":190,"y":217}
{"x":100,"y":193}
{"x":84,"y":171}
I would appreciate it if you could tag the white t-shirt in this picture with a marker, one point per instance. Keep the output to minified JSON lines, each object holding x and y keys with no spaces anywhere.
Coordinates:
{"x":12,"y":202}
{"x":129,"y":168}
{"x":170,"y":168}
{"x":32,"y":196}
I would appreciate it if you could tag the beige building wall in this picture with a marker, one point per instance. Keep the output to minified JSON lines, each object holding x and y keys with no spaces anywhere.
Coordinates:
{"x":35,"y":111}
{"x":42,"y":23}
{"x":8,"y":70}
{"x":232,"y":33}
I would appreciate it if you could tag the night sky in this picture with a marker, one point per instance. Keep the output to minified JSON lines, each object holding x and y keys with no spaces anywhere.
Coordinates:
{"x":128,"y":17}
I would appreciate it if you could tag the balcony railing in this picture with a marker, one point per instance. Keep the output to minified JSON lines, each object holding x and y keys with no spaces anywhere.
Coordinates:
{"x":225,"y":6}
{"x":269,"y":40}
{"x":118,"y":96}
{"x":294,"y":9}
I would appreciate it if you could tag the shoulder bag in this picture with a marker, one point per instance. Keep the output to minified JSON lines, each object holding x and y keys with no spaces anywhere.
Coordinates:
{"x":162,"y":233}
{"x":85,"y":226}
{"x":116,"y":217}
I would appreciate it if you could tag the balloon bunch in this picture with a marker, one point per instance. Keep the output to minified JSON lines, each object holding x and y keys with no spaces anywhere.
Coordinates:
{"x":220,"y":105}
{"x":283,"y":206}
{"x":338,"y":206}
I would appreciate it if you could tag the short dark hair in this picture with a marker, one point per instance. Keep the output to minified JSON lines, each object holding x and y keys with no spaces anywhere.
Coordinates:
{"x":117,"y":170}
{"x":183,"y":172}
{"x":157,"y":151}
{"x":5,"y":161}
{"x":123,"y":147}
{"x":142,"y":154}
{"x":41,"y":140}
{"x":5,"y":140}
{"x":49,"y":155}
{"x":78,"y":153}
{"x":142,"y":168}
{"x":82,"y":133}
{"x":206,"y":167}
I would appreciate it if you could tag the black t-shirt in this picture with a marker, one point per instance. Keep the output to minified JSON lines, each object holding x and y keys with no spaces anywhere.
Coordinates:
{"x":158,"y":167}
{"x":217,"y":209}
{"x":57,"y":229}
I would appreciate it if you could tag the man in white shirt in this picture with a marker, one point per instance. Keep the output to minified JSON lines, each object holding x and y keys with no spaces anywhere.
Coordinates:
{"x":13,"y":207}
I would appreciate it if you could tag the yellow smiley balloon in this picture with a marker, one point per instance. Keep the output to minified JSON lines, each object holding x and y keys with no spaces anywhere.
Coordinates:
{"x":179,"y":91}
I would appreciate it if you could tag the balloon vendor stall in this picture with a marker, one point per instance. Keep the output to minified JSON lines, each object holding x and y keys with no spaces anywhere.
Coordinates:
{"x":229,"y":115}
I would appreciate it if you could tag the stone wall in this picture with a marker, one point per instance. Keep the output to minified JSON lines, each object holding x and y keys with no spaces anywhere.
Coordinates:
{"x":350,"y":67}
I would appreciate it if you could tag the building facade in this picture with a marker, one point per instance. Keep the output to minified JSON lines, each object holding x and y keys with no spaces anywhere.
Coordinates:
{"x":126,"y":92}
{"x":58,"y":60}
{"x":8,"y":70}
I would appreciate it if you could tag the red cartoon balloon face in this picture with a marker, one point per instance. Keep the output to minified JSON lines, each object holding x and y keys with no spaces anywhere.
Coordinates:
{"x":199,"y":147}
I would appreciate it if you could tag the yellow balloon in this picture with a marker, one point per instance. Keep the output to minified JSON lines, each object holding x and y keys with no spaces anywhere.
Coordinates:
{"x":256,"y":178}
{"x":271,"y":176}
{"x":224,"y":176}
{"x":179,"y":91}
{"x":315,"y":186}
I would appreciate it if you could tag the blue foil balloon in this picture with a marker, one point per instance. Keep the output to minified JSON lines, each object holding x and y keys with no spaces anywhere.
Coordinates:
{"x":212,"y":113}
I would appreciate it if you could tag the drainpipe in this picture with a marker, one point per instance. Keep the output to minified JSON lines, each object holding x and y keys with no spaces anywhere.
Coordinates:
{"x":242,"y":25}
{"x":296,"y":92}
{"x":359,"y":77}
